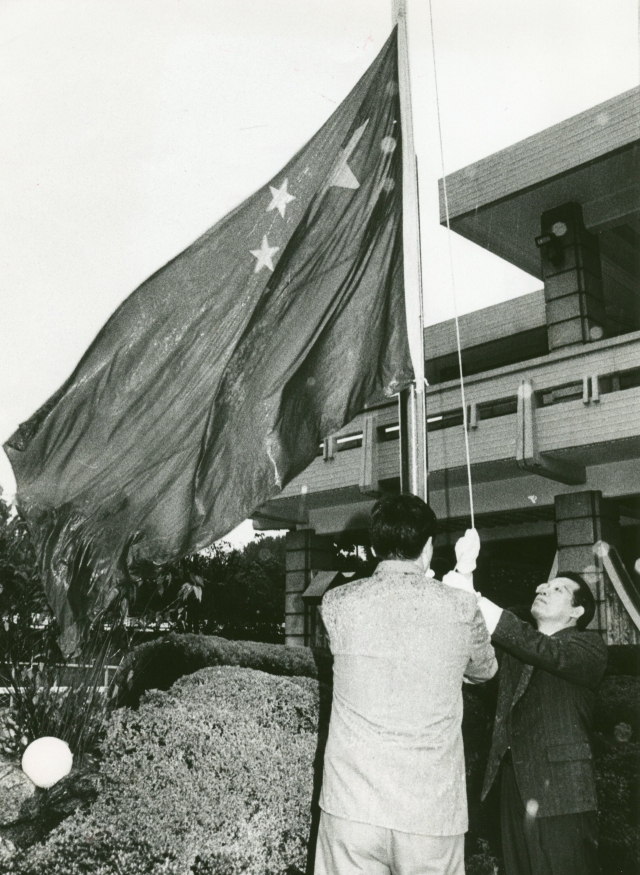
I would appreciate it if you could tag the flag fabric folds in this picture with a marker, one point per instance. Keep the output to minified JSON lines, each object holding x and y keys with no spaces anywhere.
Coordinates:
{"x":212,"y":385}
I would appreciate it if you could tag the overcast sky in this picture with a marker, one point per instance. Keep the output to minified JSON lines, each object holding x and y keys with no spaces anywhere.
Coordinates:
{"x":128,"y":127}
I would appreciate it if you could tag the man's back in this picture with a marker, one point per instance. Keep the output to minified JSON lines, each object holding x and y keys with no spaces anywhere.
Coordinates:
{"x":401,"y":644}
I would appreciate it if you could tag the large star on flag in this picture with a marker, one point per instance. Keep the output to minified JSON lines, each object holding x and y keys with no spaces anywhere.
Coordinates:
{"x":341,"y":175}
{"x":264,"y":255}
{"x":280,"y":197}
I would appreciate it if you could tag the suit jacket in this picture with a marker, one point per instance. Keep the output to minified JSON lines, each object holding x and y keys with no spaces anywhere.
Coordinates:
{"x":401,"y":644}
{"x":544,"y":713}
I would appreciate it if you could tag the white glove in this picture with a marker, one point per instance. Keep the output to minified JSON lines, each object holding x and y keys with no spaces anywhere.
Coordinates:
{"x":467,"y":550}
{"x":459,"y":581}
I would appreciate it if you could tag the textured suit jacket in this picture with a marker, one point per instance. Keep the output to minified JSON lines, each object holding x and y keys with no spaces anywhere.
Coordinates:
{"x":546,"y":695}
{"x":401,"y":645}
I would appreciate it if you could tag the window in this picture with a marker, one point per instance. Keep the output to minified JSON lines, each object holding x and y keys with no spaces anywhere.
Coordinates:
{"x":560,"y":394}
{"x":502,"y":407}
{"x":444,"y":420}
{"x":388,"y":432}
{"x":349,"y":442}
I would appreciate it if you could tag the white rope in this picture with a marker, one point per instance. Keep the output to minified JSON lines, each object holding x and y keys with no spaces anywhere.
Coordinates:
{"x":453,"y":282}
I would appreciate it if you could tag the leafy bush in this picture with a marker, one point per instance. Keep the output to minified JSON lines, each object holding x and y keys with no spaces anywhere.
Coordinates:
{"x":618,"y":778}
{"x":48,"y":700}
{"x":477,"y":728}
{"x":158,"y":767}
{"x":236,"y":593}
{"x":27,"y":623}
{"x":239,"y":591}
{"x":158,"y":664}
{"x":482,"y":861}
{"x":618,"y":702}
{"x":617,"y":750}
{"x":214,"y":776}
{"x":617,"y":724}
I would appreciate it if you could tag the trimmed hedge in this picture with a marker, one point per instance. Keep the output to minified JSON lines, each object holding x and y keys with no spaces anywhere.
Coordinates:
{"x":156,"y":665}
{"x":214,"y":776}
{"x":201,"y":778}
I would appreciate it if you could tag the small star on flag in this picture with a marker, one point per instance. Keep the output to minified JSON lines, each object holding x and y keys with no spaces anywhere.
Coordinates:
{"x":264,"y":255}
{"x":280,"y":198}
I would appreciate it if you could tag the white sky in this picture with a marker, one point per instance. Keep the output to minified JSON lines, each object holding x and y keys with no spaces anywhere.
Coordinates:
{"x":128,"y":127}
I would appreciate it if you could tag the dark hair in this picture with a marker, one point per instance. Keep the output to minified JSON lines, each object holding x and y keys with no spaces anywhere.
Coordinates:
{"x":400,"y":526}
{"x":582,"y":598}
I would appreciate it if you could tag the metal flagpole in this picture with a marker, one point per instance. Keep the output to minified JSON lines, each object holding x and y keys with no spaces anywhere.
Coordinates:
{"x":413,"y":419}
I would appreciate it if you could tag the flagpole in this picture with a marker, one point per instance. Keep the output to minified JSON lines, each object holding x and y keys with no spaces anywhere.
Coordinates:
{"x":413,"y":406}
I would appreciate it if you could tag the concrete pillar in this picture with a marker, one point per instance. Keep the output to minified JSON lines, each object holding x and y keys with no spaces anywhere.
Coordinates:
{"x":572,"y":278}
{"x":306,"y":553}
{"x":582,"y":519}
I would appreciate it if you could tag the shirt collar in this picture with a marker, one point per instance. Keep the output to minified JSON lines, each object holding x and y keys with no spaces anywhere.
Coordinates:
{"x":396,"y":566}
{"x":566,"y":630}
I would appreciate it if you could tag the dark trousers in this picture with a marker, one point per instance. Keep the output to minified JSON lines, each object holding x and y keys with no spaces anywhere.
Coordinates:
{"x":565,"y":844}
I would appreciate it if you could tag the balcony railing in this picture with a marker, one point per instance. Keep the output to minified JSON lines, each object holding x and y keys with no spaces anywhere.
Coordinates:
{"x":566,"y":401}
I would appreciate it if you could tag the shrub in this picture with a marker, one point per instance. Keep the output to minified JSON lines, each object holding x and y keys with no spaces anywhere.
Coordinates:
{"x":195,"y":780}
{"x":48,"y":699}
{"x":618,"y":702}
{"x":158,"y":664}
{"x":235,"y":593}
{"x":214,"y":776}
{"x":617,"y":750}
{"x":618,"y":776}
{"x":477,"y":727}
{"x":623,"y":659}
{"x":482,"y":862}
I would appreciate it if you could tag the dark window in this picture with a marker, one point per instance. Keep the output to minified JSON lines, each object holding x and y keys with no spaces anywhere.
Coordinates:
{"x":560,"y":394}
{"x":620,"y":381}
{"x":502,"y":407}
{"x":444,"y":420}
{"x":389,"y":432}
{"x":349,"y":442}
{"x":630,"y":379}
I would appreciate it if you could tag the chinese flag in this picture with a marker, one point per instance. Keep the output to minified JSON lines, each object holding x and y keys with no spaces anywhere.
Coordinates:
{"x":212,"y":385}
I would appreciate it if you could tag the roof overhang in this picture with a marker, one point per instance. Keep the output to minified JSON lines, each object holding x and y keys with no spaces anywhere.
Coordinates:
{"x":592,"y":159}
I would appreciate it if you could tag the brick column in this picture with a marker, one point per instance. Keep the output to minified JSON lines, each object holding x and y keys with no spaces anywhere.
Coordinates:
{"x":306,"y":553}
{"x":582,"y":518}
{"x":572,"y":278}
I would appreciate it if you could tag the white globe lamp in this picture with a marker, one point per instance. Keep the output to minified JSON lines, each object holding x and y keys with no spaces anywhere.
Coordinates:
{"x":46,"y":761}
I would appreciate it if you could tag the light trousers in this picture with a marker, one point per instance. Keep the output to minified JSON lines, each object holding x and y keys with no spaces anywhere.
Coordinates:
{"x":346,"y":847}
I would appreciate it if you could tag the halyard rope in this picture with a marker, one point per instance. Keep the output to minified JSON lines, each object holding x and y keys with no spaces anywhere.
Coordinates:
{"x":453,"y":283}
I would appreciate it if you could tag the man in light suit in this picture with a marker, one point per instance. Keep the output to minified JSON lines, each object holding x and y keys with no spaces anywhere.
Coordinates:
{"x":541,"y":739}
{"x":393,"y":795}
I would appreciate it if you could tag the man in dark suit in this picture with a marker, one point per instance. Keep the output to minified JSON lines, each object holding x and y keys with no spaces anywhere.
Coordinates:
{"x":541,"y":739}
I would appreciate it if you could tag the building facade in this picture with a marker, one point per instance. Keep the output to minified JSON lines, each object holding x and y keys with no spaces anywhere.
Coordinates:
{"x":552,"y":384}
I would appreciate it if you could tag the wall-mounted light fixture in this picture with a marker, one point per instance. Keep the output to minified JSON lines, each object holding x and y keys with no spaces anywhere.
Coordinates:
{"x":551,"y":245}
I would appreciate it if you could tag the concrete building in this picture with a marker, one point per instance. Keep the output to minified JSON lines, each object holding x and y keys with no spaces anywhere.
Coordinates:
{"x":552,"y":384}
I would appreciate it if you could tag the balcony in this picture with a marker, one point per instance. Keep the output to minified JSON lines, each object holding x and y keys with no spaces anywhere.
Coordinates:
{"x":584,"y":415}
